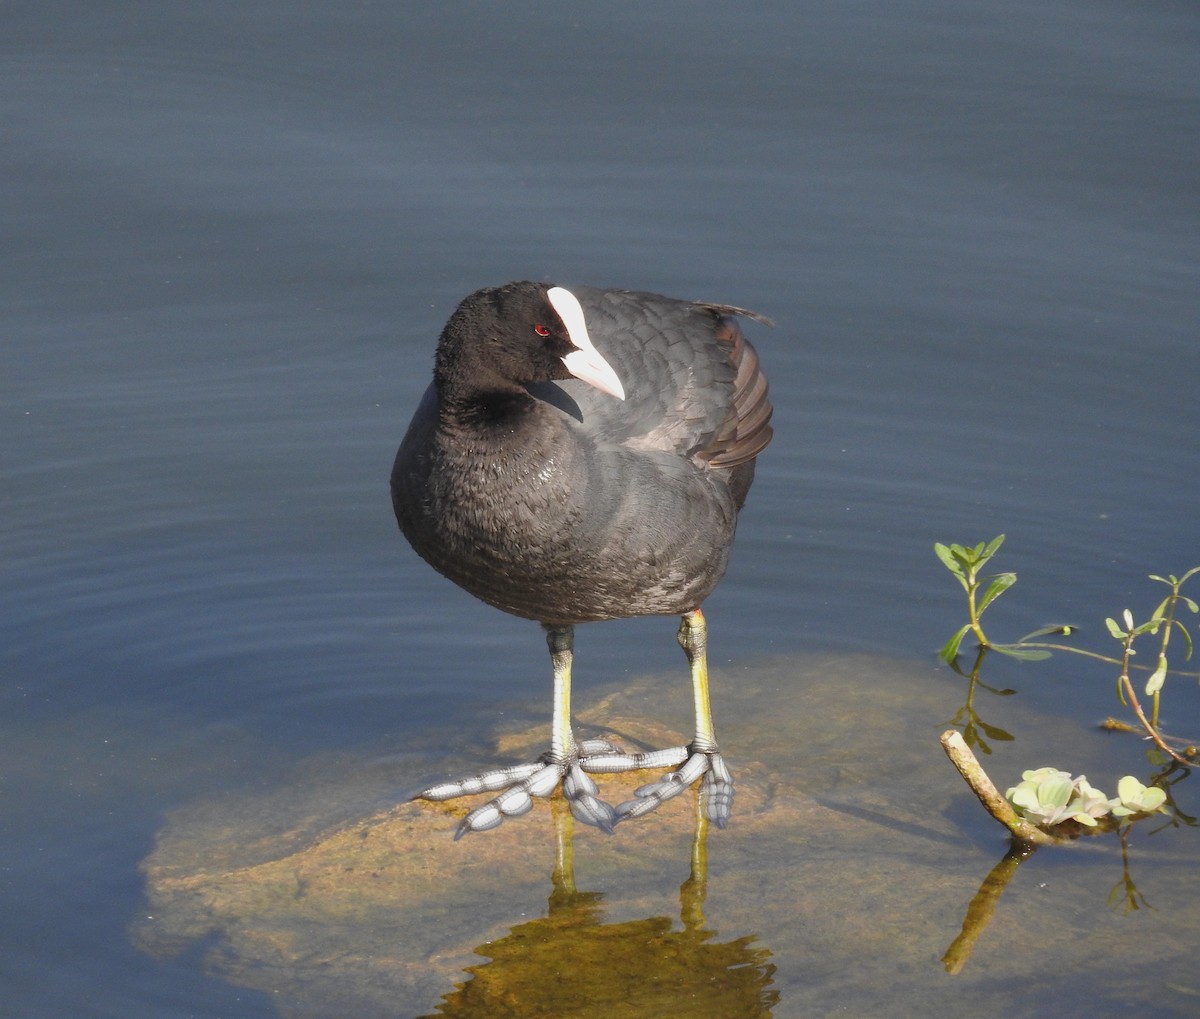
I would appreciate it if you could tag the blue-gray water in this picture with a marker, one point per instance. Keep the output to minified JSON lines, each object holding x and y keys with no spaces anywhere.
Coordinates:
{"x":231,"y":234}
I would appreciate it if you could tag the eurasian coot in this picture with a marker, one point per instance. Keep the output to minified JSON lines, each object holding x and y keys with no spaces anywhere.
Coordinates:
{"x":582,"y":455}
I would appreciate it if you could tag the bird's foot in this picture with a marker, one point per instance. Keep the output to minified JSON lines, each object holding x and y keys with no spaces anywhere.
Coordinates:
{"x":716,"y":790}
{"x":520,"y":783}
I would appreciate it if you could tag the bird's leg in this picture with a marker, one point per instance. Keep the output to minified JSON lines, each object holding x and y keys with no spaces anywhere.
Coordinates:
{"x":693,"y":638}
{"x":565,"y":754}
{"x":521,"y":782}
{"x":561,"y":642}
{"x":700,"y":757}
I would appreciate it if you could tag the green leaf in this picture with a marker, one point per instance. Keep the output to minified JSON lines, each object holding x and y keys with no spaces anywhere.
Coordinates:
{"x":946,"y":555}
{"x":1153,"y":799}
{"x":1022,"y":653}
{"x":1114,"y":629}
{"x":1055,"y":791}
{"x":1129,"y":789}
{"x":1157,"y":677}
{"x":1187,"y":639}
{"x":1137,"y":798}
{"x":994,"y":546}
{"x":950,"y":651}
{"x":1000,"y":583}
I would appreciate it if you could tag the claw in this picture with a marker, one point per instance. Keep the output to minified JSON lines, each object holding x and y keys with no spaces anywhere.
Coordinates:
{"x":716,"y":791}
{"x":543,"y":782}
{"x":611,"y":764}
{"x":577,"y":784}
{"x":520,"y":784}
{"x":696,"y":766}
{"x":718,"y":769}
{"x":480,"y":819}
{"x":513,"y":802}
{"x":569,"y":762}
{"x":587,"y":807}
{"x":488,"y":782}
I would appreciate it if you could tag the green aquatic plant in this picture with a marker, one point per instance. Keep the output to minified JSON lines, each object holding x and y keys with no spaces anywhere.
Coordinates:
{"x":1048,"y":807}
{"x":1047,"y":797}
{"x":967,"y":562}
{"x":1162,"y":620}
{"x":1133,"y":798}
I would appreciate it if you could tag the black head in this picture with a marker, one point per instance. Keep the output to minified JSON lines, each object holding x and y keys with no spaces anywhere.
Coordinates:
{"x":501,"y":339}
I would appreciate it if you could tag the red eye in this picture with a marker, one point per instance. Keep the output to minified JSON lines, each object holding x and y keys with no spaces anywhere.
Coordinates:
{"x":541,"y":330}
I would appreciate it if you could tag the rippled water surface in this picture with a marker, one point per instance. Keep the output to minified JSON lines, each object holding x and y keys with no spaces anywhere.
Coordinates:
{"x":231,"y":236}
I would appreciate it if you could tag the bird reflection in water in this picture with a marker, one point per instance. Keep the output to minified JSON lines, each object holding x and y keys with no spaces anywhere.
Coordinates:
{"x":570,"y":962}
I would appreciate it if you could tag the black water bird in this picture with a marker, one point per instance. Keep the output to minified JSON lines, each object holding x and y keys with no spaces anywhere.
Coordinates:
{"x":582,"y":455}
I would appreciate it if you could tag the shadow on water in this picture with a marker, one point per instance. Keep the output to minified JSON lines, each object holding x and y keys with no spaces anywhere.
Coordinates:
{"x":857,"y":876}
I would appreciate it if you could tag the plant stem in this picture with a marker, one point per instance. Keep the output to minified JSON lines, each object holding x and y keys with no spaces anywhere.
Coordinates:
{"x":1150,"y":729}
{"x":1168,"y":626}
{"x":972,"y":772}
{"x":1107,"y":659}
{"x":976,"y":626}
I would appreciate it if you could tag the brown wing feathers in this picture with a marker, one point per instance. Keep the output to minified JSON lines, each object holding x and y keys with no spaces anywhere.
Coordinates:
{"x":747,"y":430}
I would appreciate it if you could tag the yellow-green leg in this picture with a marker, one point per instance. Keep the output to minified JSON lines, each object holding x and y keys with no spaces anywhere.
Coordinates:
{"x":693,"y":638}
{"x":699,"y":758}
{"x":518,"y":784}
{"x":561,"y":642}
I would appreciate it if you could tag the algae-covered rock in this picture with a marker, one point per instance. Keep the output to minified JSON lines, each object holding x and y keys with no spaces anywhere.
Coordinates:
{"x":851,"y":859}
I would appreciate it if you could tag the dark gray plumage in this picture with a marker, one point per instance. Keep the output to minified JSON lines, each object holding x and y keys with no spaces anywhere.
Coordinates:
{"x":551,"y":498}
